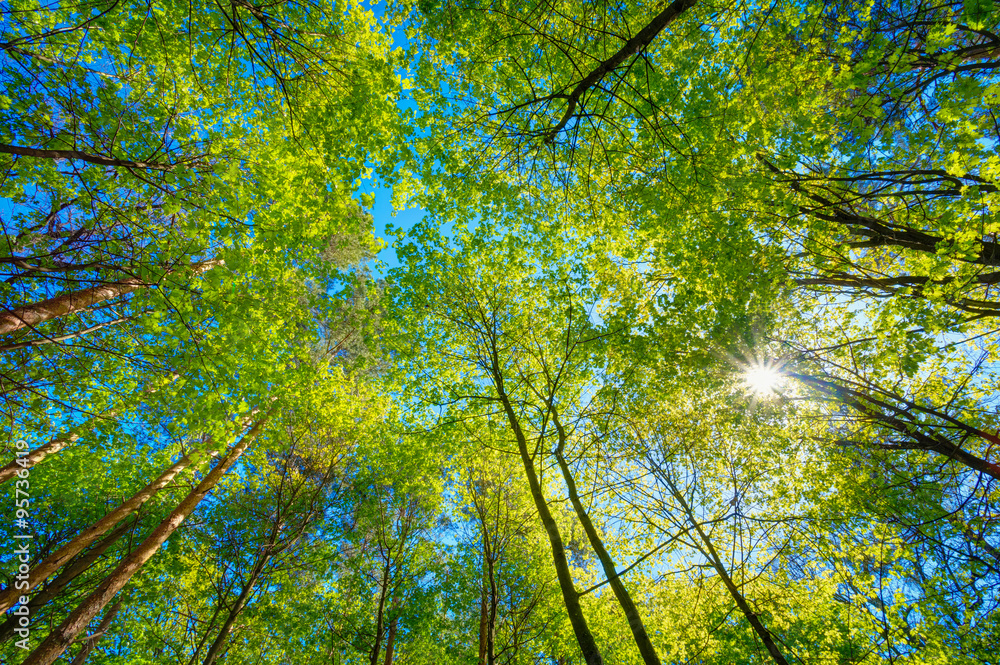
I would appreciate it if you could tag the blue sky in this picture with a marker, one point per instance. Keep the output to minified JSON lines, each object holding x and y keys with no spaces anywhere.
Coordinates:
{"x":384,"y":214}
{"x":382,"y":211}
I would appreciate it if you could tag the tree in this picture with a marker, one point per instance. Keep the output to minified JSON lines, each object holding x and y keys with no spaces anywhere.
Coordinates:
{"x":501,"y":569}
{"x":126,"y":186}
{"x":695,"y":343}
{"x":298,"y":484}
{"x":529,"y":368}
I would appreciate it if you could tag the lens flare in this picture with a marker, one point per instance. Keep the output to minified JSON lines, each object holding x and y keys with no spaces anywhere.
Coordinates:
{"x":762,"y":379}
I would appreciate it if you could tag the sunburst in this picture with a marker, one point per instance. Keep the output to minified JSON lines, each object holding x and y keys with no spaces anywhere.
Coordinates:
{"x":763,"y":379}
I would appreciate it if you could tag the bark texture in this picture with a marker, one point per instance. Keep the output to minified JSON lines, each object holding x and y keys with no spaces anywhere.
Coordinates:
{"x":91,"y":642}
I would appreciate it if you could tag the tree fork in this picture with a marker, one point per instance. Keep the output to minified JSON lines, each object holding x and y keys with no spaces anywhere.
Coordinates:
{"x":935,"y":442}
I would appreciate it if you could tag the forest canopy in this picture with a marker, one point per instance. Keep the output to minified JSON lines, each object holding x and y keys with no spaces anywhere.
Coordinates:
{"x":692,"y":356}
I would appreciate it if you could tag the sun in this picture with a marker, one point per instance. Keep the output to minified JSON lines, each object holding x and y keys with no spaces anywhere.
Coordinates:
{"x":762,"y":379}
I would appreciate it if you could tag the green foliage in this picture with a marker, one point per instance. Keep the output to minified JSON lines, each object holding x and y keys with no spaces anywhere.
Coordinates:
{"x":629,"y":207}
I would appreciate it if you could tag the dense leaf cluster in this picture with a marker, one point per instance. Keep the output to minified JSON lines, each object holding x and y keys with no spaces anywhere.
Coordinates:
{"x":692,"y":358}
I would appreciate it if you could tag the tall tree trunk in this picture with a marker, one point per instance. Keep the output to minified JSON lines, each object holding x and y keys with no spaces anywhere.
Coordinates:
{"x":390,"y":643}
{"x":62,"y":338}
{"x":491,"y":618}
{"x":45,"y":450}
{"x":59,"y":639}
{"x":41,"y":452}
{"x":591,"y":654}
{"x":380,"y":614}
{"x":215,"y":650}
{"x":483,"y":619}
{"x":102,"y":628}
{"x":390,"y":560}
{"x":78,"y":301}
{"x":635,"y":622}
{"x":488,"y":604}
{"x":54,"y":561}
{"x":67,"y":575}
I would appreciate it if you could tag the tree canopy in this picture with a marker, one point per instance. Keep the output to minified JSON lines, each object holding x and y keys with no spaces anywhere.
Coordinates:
{"x":692,"y":357}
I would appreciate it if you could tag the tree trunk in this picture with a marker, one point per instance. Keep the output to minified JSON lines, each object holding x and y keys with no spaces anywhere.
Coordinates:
{"x":483,"y":620}
{"x":215,"y":650}
{"x":491,"y":617}
{"x":59,"y":639}
{"x":635,"y":622}
{"x":78,"y":301}
{"x":41,"y":452}
{"x":54,"y":561}
{"x":62,"y":338}
{"x":591,"y":654}
{"x":390,"y":643}
{"x":380,"y":615}
{"x":68,"y":574}
{"x":91,"y":642}
{"x":44,"y":451}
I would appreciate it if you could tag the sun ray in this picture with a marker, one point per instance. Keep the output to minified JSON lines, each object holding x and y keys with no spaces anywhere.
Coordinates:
{"x":762,"y":379}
